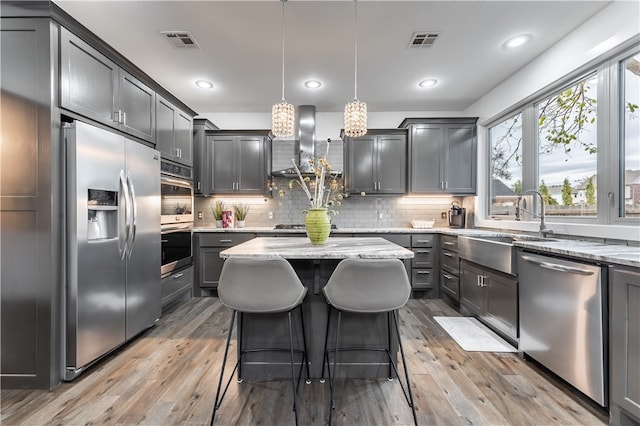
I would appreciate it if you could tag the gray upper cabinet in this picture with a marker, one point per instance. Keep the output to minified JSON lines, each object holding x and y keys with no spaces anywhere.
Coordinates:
{"x":201,"y":156}
{"x":443,"y":155}
{"x":174,"y":132}
{"x":240,"y":163}
{"x":95,"y":87}
{"x":377,"y":162}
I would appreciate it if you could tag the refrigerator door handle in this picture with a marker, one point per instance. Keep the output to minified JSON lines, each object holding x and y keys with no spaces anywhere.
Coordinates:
{"x":123,"y":241}
{"x":134,"y":216}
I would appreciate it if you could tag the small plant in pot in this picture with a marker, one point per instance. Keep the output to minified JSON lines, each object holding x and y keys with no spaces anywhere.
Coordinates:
{"x":241,"y":211}
{"x":216,"y":211}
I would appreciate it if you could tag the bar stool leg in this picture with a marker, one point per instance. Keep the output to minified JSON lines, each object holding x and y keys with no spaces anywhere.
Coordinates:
{"x":325,"y":355}
{"x":304,"y":344}
{"x":390,"y":376}
{"x":240,"y":344}
{"x":293,"y":370}
{"x":332,"y":376}
{"x":406,"y":370}
{"x":218,"y":400}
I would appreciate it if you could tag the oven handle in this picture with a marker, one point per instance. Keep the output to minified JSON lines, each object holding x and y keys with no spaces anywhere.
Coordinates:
{"x":177,"y":182}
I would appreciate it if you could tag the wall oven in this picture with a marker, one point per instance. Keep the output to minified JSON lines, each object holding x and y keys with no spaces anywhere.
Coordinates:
{"x":176,"y":247}
{"x":176,"y":191}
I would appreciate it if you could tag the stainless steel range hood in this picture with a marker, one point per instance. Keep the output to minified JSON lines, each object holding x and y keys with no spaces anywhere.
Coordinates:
{"x":304,"y":143}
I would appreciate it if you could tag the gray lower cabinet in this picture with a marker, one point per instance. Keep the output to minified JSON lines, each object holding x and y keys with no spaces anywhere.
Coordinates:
{"x":424,"y":279}
{"x":201,"y":156}
{"x":449,"y":267}
{"x":239,"y":163}
{"x":490,"y":295}
{"x":174,"y":132}
{"x":208,"y":262}
{"x":377,"y":162}
{"x":176,"y":285}
{"x":624,"y":284}
{"x":442,"y":155}
{"x":94,"y":86}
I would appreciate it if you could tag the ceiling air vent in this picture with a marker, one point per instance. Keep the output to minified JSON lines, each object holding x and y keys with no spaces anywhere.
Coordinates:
{"x":181,"y":39}
{"x":423,"y":39}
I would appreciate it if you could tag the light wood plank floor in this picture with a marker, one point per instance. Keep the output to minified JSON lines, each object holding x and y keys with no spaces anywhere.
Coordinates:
{"x":168,"y":376}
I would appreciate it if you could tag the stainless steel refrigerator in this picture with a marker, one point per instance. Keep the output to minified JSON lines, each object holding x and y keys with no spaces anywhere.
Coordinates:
{"x":113,"y":242}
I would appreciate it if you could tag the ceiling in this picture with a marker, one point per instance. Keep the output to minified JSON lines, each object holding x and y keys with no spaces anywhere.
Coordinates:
{"x":240,"y":48}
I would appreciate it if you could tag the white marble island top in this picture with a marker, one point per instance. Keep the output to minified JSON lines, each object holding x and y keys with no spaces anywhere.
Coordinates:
{"x":335,"y":248}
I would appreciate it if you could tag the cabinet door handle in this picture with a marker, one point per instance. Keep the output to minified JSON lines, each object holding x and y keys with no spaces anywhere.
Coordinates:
{"x":124,"y":118}
{"x":446,"y":184}
{"x":176,"y":276}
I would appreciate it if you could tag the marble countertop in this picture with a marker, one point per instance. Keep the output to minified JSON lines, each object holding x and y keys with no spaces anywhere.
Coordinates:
{"x":587,"y":250}
{"x":335,"y":248}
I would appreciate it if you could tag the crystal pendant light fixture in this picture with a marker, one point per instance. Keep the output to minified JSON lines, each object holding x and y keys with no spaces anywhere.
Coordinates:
{"x":282,"y":113}
{"x":355,"y":112}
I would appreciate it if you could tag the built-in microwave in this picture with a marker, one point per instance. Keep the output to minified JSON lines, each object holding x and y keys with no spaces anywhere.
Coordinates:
{"x":176,"y":200}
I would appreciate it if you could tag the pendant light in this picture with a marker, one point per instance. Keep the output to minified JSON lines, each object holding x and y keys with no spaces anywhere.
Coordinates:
{"x":282,"y":113}
{"x":355,"y":112}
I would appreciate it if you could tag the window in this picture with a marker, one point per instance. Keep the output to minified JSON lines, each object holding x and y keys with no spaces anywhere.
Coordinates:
{"x":568,"y":150}
{"x":505,"y":140}
{"x":630,"y":136}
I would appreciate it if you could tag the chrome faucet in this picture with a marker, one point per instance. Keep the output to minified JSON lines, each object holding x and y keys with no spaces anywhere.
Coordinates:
{"x":543,"y":228}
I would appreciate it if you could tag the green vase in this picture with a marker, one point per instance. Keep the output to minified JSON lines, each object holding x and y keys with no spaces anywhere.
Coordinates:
{"x":318,"y":225}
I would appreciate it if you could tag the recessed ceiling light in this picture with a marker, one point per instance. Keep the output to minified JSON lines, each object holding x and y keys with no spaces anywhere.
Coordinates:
{"x":204,"y":84}
{"x":517,"y":41}
{"x":312,"y":84}
{"x":428,"y":82}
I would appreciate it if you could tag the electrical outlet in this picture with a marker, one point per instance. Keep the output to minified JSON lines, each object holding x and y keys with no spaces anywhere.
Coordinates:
{"x":379,"y":215}
{"x":199,"y":215}
{"x":443,"y":215}
{"x":271,"y":215}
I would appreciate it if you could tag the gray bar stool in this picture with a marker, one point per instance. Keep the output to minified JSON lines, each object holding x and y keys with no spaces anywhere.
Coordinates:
{"x":367,"y":286}
{"x":261,"y":286}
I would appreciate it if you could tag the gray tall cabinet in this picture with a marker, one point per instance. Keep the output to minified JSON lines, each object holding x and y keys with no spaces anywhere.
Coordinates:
{"x":443,"y":155}
{"x":50,"y":72}
{"x":30,"y":236}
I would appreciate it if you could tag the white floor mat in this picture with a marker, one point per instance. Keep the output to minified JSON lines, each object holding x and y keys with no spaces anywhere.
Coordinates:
{"x":473,"y":336}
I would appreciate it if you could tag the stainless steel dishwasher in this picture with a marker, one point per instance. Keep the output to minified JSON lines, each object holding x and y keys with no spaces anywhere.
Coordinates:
{"x":563,"y":321}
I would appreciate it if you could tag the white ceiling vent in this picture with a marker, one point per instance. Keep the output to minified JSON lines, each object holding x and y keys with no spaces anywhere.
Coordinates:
{"x":181,"y":39}
{"x":423,"y":39}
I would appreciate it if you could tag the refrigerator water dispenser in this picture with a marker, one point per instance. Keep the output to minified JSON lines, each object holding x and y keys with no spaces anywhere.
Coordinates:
{"x":102,"y":214}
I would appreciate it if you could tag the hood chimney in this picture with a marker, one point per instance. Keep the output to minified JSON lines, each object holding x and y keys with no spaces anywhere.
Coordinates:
{"x":306,"y":138}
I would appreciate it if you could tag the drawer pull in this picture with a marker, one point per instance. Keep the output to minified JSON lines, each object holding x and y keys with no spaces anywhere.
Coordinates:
{"x":424,"y":241}
{"x":449,"y":243}
{"x":447,"y":276}
{"x":423,"y":272}
{"x":423,"y":251}
{"x":226,"y":241}
{"x":176,"y":276}
{"x":448,"y":254}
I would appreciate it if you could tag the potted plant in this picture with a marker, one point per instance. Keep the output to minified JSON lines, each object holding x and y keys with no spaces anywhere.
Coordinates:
{"x":241,"y":211}
{"x":216,"y":211}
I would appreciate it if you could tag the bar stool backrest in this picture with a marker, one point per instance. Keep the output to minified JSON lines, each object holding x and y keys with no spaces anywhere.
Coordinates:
{"x":260,"y":285}
{"x":368,"y":285}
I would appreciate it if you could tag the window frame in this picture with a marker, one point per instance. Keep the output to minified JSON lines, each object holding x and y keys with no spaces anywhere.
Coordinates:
{"x":610,"y":149}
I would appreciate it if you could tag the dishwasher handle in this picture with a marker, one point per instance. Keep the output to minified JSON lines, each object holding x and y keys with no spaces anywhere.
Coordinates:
{"x":558,"y":267}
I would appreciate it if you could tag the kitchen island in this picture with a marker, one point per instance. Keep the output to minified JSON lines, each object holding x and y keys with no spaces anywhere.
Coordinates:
{"x":314,"y":266}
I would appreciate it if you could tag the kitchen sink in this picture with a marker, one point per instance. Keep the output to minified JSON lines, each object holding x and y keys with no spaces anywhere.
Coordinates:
{"x":493,"y":251}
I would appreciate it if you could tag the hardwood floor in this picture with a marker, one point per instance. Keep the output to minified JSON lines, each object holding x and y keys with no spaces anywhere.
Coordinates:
{"x":168,"y":376}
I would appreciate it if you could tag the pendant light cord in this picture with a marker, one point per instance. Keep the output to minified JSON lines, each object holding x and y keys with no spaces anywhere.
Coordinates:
{"x":283,"y":48}
{"x":355,"y":49}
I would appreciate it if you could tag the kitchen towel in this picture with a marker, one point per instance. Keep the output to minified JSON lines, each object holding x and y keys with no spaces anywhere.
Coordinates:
{"x":472,"y":335}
